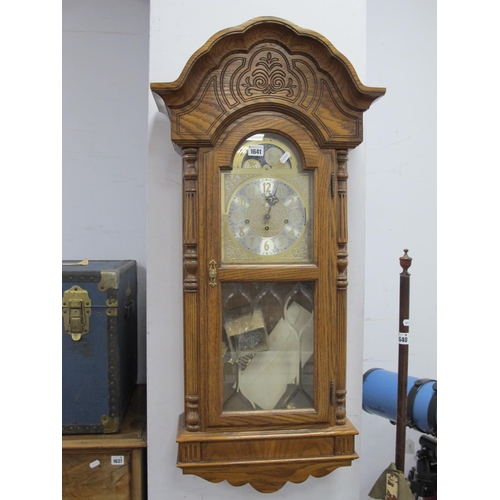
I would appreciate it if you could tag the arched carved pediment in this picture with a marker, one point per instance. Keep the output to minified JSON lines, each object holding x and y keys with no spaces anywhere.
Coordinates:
{"x":267,"y":64}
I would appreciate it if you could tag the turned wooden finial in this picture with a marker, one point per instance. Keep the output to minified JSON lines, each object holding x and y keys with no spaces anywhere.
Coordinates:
{"x":405,"y":261}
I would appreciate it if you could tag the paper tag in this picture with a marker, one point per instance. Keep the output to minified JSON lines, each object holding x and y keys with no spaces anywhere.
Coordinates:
{"x":406,"y":322}
{"x":403,"y":338}
{"x":285,"y":157}
{"x":118,"y":460}
{"x":95,"y":463}
{"x":256,"y":151}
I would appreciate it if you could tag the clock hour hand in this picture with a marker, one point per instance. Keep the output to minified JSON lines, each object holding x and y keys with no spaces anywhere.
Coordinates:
{"x":272,"y":200}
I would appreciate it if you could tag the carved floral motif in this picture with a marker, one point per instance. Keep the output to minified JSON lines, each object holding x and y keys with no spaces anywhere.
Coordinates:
{"x":269,"y":77}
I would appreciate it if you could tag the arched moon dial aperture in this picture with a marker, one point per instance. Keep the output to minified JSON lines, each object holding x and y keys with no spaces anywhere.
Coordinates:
{"x":266,"y":216}
{"x":266,"y":151}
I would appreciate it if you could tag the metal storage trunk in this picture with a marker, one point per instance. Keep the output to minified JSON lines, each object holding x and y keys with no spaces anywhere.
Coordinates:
{"x":99,"y":344}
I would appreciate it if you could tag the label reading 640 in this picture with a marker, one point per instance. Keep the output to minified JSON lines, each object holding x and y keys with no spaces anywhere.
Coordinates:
{"x":403,"y":338}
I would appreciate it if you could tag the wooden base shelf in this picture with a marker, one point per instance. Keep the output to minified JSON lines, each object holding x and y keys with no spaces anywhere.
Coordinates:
{"x":265,"y":459}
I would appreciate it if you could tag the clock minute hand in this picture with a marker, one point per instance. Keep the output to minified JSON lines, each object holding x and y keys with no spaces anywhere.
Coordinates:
{"x":272,"y":200}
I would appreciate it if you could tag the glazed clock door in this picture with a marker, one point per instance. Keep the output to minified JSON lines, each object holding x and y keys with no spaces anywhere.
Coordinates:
{"x":268,"y":293}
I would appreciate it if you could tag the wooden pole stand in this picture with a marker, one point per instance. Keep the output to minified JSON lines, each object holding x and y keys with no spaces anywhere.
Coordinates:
{"x":404,"y":327}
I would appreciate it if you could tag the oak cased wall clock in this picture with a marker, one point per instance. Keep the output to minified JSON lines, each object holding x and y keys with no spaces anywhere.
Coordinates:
{"x":264,"y":115}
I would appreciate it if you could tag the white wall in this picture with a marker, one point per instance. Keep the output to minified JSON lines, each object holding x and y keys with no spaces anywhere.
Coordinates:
{"x":104,"y":136}
{"x":106,"y":147}
{"x":401,"y":167}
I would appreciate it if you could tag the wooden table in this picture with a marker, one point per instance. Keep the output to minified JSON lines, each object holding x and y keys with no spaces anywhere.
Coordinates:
{"x":108,"y":466}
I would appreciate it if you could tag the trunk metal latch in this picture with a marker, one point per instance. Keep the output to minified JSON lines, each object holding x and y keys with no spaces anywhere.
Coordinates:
{"x":76,"y":310}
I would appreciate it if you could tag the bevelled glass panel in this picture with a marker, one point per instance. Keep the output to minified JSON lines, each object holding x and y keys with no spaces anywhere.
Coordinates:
{"x":267,"y":345}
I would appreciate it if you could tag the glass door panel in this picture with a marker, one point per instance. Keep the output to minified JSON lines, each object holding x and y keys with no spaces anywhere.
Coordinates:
{"x":267,"y":346}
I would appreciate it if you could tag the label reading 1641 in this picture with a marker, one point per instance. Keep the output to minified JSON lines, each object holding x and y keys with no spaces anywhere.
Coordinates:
{"x":256,"y":151}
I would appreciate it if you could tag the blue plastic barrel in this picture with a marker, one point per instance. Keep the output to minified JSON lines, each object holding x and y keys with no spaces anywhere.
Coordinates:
{"x":380,"y":397}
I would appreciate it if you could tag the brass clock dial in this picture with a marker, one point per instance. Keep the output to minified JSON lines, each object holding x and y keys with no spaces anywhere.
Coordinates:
{"x":266,"y":216}
{"x":265,"y":203}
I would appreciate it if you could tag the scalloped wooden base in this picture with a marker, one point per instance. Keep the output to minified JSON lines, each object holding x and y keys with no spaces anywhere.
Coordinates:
{"x":266,"y":459}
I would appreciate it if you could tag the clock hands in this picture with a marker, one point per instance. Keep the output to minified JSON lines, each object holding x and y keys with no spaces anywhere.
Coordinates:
{"x":272,"y":200}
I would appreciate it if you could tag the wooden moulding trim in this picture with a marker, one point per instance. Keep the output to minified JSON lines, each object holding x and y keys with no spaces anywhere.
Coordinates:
{"x":262,"y":434}
{"x":98,"y":443}
{"x":266,"y":462}
{"x":344,"y":430}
